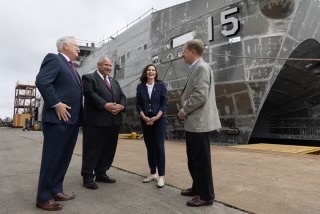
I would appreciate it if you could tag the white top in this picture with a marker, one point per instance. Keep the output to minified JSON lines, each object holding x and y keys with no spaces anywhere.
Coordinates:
{"x":150,"y":87}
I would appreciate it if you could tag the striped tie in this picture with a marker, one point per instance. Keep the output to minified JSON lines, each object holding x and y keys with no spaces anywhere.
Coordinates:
{"x":107,"y":82}
{"x":75,"y":72}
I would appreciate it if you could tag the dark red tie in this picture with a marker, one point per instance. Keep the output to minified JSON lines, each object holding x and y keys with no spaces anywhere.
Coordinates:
{"x":75,"y":72}
{"x":107,"y":82}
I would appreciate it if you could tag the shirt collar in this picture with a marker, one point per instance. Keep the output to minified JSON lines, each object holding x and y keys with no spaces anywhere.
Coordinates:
{"x":194,"y":64}
{"x":65,"y":56}
{"x":102,"y":75}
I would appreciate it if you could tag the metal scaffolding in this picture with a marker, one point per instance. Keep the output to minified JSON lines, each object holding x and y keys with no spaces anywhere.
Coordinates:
{"x":25,"y":100}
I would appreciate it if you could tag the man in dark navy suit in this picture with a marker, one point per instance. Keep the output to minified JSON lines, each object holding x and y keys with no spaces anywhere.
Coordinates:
{"x":103,"y":103}
{"x":60,"y":86}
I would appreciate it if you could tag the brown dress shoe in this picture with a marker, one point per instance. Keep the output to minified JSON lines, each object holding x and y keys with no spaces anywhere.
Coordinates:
{"x":50,"y":205}
{"x":188,"y":192}
{"x":63,"y":197}
{"x":198,"y":202}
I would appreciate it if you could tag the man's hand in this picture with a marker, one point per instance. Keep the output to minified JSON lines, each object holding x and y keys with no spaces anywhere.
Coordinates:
{"x":62,"y":112}
{"x":118,"y":108}
{"x":109,"y":106}
{"x":114,"y":108}
{"x":182,"y":115}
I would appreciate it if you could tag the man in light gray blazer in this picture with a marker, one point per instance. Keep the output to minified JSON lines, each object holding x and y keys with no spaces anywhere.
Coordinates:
{"x":200,"y":114}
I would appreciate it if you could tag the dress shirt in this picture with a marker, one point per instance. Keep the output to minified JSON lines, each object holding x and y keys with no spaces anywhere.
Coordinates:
{"x":102,"y":77}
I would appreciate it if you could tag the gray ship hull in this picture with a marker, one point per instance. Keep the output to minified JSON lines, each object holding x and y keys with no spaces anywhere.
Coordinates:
{"x":263,"y":89}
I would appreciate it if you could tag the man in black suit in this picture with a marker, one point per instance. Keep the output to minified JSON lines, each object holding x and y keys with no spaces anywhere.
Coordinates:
{"x":103,"y":104}
{"x":60,"y":87}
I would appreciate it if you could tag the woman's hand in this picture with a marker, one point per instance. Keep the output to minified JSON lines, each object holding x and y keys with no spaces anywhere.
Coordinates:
{"x":147,"y":119}
{"x":152,"y":120}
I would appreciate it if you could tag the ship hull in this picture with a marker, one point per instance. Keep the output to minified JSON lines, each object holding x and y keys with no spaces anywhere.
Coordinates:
{"x":261,"y":93}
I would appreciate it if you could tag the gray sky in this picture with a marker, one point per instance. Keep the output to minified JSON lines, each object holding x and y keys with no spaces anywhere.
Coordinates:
{"x":30,"y":28}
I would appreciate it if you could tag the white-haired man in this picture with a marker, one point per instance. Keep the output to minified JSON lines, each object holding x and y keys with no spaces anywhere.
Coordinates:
{"x":60,"y":86}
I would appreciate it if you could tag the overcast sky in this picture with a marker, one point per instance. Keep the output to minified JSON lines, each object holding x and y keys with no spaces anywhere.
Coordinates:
{"x":30,"y":28}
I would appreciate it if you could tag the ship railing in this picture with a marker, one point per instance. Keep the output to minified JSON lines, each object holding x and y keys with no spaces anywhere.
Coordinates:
{"x":87,"y":43}
{"x":113,"y":36}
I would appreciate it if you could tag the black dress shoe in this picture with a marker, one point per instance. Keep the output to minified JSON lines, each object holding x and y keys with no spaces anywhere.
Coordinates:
{"x":188,"y":192}
{"x":105,"y":179}
{"x":197,"y":202}
{"x":90,"y":185}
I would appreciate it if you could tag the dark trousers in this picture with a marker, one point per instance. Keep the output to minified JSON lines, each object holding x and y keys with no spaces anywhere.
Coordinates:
{"x":99,"y":148}
{"x":58,"y":145}
{"x":199,"y":164}
{"x":154,"y":137}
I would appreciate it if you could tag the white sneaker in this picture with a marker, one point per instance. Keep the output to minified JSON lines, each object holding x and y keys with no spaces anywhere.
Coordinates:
{"x":160,"y":183}
{"x":152,"y":177}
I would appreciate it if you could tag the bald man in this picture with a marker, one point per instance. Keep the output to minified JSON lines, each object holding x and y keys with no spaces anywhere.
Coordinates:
{"x":103,"y":105}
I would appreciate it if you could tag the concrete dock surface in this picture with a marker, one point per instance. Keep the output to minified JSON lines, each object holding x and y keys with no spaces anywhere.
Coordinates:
{"x":246,"y":181}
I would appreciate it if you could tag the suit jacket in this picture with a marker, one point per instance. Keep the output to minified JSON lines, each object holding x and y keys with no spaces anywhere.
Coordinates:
{"x":96,"y":95}
{"x":158,"y":101}
{"x":199,"y":100}
{"x":57,"y":82}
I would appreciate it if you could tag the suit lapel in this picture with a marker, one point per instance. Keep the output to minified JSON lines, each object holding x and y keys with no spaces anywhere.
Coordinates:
{"x":155,"y":88}
{"x":102,"y":81}
{"x":145,"y":90}
{"x":112,"y":83}
{"x":98,"y":77}
{"x":188,"y":78}
{"x":71,"y":70}
{"x":190,"y":73}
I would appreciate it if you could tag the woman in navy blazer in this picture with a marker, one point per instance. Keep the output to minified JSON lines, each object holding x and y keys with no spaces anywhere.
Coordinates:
{"x":152,"y":104}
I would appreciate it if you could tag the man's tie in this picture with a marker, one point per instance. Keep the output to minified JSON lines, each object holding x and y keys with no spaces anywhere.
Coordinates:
{"x":107,"y":82}
{"x":75,"y":72}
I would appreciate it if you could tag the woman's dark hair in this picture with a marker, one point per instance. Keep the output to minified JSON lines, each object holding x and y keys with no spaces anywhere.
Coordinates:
{"x":143,"y":77}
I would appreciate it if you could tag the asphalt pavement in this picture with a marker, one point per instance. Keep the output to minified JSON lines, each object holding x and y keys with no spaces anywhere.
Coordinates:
{"x":20,"y":156}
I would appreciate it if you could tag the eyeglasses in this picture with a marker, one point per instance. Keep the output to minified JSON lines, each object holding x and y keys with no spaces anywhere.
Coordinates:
{"x":76,"y":45}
